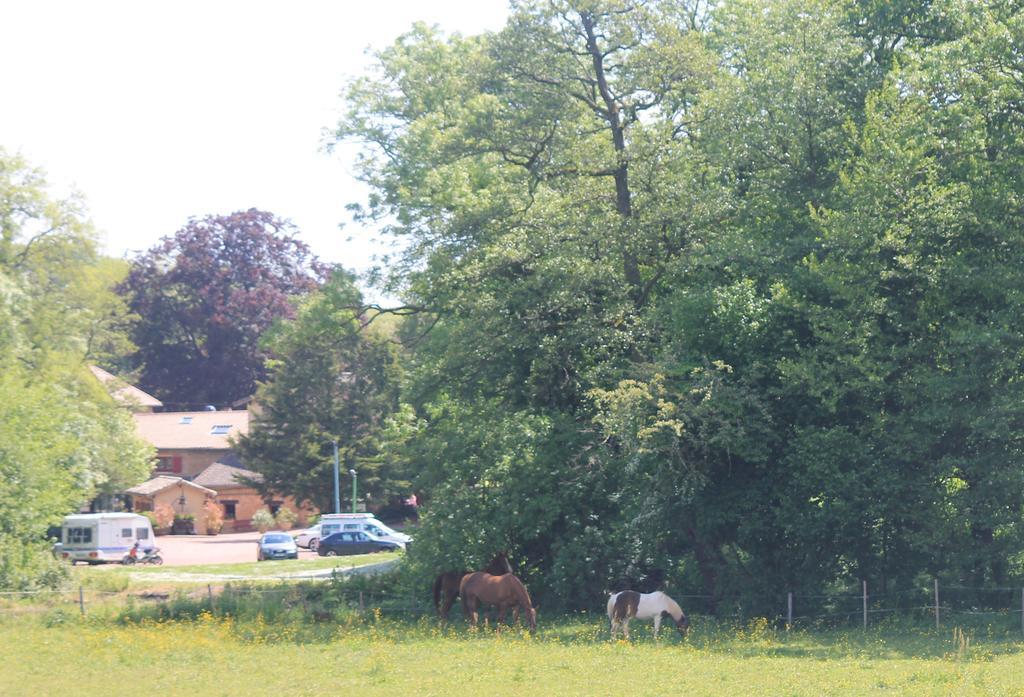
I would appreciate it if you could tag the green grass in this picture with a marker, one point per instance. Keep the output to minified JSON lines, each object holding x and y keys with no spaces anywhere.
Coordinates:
{"x":113,"y":577}
{"x":103,"y":654}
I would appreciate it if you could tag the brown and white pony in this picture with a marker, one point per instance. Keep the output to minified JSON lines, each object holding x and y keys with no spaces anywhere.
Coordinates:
{"x":624,"y":606}
{"x":502,"y":591}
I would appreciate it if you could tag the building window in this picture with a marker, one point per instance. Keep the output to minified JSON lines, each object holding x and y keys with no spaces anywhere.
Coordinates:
{"x":229,"y":509}
{"x":275,"y":506}
{"x":168,"y":463}
{"x":220,"y":430}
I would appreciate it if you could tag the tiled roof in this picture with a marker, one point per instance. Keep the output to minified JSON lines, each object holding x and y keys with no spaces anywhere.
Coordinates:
{"x":222,"y":476}
{"x":122,"y":391}
{"x":192,"y":430}
{"x":161,"y":482}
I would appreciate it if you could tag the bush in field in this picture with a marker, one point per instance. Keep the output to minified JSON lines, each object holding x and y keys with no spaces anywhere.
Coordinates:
{"x":263,"y":520}
{"x":30,"y":566}
{"x":285,"y":518}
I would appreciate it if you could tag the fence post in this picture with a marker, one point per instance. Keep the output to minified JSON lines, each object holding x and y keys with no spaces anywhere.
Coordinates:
{"x":81,"y":600}
{"x":362,"y":605}
{"x":1022,"y":610}
{"x":789,"y":612}
{"x":209,"y":594}
{"x":936,"y":603}
{"x":865,"y":605}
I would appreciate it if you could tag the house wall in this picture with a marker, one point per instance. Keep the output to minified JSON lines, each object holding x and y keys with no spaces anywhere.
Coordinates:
{"x":186,"y":463}
{"x":194,"y":500}
{"x":247,"y":501}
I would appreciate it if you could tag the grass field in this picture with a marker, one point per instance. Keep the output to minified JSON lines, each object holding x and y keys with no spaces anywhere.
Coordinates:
{"x":117,"y":577}
{"x":61,"y":653}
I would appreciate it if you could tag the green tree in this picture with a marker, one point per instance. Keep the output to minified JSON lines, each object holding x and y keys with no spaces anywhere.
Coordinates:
{"x":730,"y":296}
{"x":62,"y":438}
{"x":334,"y":379}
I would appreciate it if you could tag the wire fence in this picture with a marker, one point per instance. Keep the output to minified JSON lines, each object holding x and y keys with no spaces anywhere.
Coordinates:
{"x":943,"y":606}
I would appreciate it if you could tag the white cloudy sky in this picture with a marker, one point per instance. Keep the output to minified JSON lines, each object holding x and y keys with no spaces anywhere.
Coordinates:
{"x":161,"y":111}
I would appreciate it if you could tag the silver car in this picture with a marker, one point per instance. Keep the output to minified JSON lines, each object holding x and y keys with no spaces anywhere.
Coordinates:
{"x":309,"y":538}
{"x":276,"y":545}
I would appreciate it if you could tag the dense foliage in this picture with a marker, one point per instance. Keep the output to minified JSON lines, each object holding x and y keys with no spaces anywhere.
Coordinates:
{"x":205,"y":296}
{"x":333,"y":379}
{"x":62,"y":438}
{"x":725,"y":294}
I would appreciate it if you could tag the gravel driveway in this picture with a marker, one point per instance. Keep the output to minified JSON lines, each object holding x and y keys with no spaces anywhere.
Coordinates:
{"x":231,"y":548}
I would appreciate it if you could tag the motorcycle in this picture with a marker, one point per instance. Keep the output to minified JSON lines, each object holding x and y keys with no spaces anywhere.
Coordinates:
{"x":150,"y":556}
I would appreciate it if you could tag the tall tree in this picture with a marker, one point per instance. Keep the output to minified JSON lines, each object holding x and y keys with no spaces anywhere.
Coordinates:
{"x":205,"y":295}
{"x":62,"y":438}
{"x":744,"y":276}
{"x":334,"y":379}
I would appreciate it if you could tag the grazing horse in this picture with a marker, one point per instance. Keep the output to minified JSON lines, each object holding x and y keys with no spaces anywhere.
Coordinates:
{"x":624,"y":606}
{"x":503,"y":591}
{"x":446,"y":586}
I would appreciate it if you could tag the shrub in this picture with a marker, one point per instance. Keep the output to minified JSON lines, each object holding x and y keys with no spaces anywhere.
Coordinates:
{"x":263,"y":520}
{"x":164,"y":515}
{"x":214,"y":516}
{"x":285,"y":518}
{"x":151,"y":517}
{"x":30,"y":566}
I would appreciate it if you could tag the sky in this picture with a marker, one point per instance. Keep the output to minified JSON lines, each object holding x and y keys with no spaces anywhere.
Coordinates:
{"x":158,"y":112}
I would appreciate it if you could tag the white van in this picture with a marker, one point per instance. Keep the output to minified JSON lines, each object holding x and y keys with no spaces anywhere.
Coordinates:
{"x":331,"y":523}
{"x":103,"y":537}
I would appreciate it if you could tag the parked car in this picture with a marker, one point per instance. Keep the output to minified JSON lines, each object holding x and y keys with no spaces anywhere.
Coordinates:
{"x":308,"y":538}
{"x":276,"y":545}
{"x":354,"y":543}
{"x":331,"y":523}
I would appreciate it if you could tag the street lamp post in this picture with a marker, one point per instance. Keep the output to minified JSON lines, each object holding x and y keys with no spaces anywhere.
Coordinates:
{"x":337,"y":494}
{"x":353,"y":473}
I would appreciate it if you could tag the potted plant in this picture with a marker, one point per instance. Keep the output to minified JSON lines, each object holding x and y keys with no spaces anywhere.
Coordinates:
{"x":214,"y":516}
{"x":164,"y":516}
{"x":184,"y":524}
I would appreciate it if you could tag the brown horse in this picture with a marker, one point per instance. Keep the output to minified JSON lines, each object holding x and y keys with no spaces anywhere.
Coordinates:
{"x":446,"y":586}
{"x":503,"y":591}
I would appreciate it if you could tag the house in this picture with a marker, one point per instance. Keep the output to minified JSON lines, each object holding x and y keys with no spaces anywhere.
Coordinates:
{"x":187,"y":442}
{"x":195,"y":461}
{"x":125,"y":394}
{"x":179,"y":495}
{"x":233,"y":484}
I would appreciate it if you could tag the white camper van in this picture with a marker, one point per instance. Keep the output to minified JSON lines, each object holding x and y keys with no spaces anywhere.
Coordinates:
{"x":103,"y":537}
{"x":331,"y":523}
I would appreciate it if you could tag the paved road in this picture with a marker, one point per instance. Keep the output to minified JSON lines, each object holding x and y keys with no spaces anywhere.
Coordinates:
{"x":309,"y":574}
{"x":231,"y":548}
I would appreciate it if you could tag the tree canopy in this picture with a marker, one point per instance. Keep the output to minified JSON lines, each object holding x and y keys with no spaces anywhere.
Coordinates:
{"x":712,"y":292}
{"x":62,"y":438}
{"x":333,"y":380}
{"x":203,"y":298}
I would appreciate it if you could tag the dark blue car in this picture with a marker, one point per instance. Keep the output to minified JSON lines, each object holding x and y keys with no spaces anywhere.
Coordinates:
{"x":353,"y":543}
